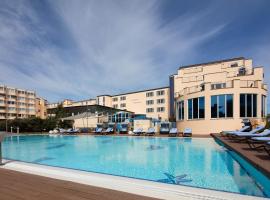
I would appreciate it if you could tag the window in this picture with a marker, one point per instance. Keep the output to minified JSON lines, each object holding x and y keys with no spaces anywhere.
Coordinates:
{"x":263,"y":106}
{"x":122,"y":105}
{"x":222,"y":106}
{"x":160,"y":109}
{"x":180,"y":110}
{"x":234,"y":64}
{"x":122,"y":98}
{"x":160,"y":101}
{"x":149,"y":102}
{"x":149,"y":94}
{"x":196,"y":108}
{"x":248,"y":105}
{"x":160,"y":92}
{"x":115,"y":106}
{"x":115,"y":99}
{"x":149,"y":110}
{"x":218,"y":86}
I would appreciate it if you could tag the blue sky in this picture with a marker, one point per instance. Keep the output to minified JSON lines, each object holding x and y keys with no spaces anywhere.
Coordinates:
{"x":79,"y":49}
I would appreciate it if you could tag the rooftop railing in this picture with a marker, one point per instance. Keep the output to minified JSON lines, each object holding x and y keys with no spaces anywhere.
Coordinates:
{"x":248,"y":84}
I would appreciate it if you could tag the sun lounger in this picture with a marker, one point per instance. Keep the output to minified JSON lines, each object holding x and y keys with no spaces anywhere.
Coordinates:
{"x":187,"y":132}
{"x":173,"y":132}
{"x":245,"y":136}
{"x":258,"y":142}
{"x":150,"y":131}
{"x":108,"y":131}
{"x":253,"y":131}
{"x":237,"y":134}
{"x":138,"y":131}
{"x":98,"y":130}
{"x":243,"y":129}
{"x":267,"y":148}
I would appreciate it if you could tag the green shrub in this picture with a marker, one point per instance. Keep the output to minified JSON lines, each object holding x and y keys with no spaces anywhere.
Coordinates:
{"x":35,"y":124}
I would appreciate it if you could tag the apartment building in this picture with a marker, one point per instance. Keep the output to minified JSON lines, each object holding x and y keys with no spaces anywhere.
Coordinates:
{"x":41,"y":108}
{"x":215,"y":96}
{"x":16,"y":103}
{"x":153,"y":103}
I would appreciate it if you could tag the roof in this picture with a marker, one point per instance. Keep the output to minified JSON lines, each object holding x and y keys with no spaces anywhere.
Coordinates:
{"x":212,"y":62}
{"x":141,"y":91}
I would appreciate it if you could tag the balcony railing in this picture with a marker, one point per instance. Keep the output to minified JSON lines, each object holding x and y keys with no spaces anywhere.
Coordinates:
{"x":248,"y":84}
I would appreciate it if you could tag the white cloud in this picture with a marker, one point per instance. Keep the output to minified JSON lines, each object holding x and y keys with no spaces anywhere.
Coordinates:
{"x":117,"y":46}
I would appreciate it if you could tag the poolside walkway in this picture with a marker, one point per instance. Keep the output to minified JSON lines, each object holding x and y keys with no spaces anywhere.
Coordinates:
{"x":259,"y":159}
{"x":22,"y":186}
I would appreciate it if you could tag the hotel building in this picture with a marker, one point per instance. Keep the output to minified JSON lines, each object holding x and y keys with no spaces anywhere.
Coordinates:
{"x":215,"y":96}
{"x":16,"y":103}
{"x":207,"y":97}
{"x":154,"y":103}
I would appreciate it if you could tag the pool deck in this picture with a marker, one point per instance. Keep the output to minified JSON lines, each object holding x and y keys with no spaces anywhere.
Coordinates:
{"x":20,"y":180}
{"x":18,"y":185}
{"x":259,"y":159}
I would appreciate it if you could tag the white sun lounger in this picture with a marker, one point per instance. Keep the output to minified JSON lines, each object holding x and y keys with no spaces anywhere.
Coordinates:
{"x":151,"y":131}
{"x":173,"y":132}
{"x":138,"y":131}
{"x":187,"y":132}
{"x":253,"y":131}
{"x":108,"y":131}
{"x":232,"y":132}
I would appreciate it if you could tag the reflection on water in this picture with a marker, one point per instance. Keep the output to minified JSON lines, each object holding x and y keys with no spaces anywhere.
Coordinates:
{"x":193,"y":162}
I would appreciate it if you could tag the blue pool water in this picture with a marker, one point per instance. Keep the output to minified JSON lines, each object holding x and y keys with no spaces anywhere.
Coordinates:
{"x":185,"y":161}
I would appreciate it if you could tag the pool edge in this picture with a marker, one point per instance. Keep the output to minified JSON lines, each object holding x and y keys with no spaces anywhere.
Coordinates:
{"x":124,"y":184}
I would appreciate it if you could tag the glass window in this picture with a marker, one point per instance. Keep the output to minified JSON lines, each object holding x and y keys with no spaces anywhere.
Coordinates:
{"x":201,"y":107}
{"x":221,"y":106}
{"x":214,"y":107}
{"x":190,"y":109}
{"x":149,"y":102}
{"x":248,"y":105}
{"x":160,"y":92}
{"x":115,"y":99}
{"x":149,"y":94}
{"x":196,"y":108}
{"x":254,"y":105}
{"x":160,"y":109}
{"x":242,"y":105}
{"x":149,"y":110}
{"x":122,"y":98}
{"x":229,"y":105}
{"x":263,"y":106}
{"x":122,"y":105}
{"x":180,"y":110}
{"x":160,"y":101}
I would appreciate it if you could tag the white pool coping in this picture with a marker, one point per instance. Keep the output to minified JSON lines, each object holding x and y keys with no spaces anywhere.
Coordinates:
{"x":123,"y":184}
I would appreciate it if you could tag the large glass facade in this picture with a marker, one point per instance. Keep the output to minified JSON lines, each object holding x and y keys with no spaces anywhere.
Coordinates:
{"x":248,"y":105}
{"x":196,"y":108}
{"x":222,"y":106}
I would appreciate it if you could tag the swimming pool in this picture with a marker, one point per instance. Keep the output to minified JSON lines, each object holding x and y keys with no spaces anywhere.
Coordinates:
{"x":197,"y":162}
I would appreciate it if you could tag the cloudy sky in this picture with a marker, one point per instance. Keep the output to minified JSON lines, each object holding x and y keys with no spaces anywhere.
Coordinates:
{"x":79,"y":49}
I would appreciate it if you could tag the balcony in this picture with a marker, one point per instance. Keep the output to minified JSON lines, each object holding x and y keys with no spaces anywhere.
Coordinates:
{"x":224,"y":85}
{"x":248,"y":84}
{"x":220,"y":86}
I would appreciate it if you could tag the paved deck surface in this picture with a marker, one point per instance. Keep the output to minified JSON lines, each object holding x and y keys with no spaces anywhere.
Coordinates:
{"x":260,"y":159}
{"x":16,"y":185}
